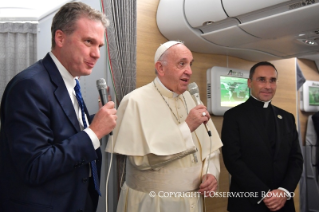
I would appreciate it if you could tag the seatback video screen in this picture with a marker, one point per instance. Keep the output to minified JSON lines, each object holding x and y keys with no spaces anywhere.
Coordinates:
{"x":233,"y":91}
{"x":313,"y":96}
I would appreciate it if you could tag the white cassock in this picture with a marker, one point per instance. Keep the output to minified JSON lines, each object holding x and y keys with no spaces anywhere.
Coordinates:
{"x":162,"y":151}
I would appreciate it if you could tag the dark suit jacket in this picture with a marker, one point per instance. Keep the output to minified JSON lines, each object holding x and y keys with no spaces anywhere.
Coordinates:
{"x":44,"y":156}
{"x":248,"y":158}
{"x":315,"y":119}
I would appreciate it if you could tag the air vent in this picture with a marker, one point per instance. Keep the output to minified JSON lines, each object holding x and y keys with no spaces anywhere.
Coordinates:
{"x":208,"y":23}
{"x":301,"y":4}
{"x":307,"y":2}
{"x":295,"y":6}
{"x":208,"y":90}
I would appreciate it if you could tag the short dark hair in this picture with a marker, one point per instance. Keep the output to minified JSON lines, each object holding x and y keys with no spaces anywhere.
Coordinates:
{"x":69,"y":13}
{"x":263,"y":63}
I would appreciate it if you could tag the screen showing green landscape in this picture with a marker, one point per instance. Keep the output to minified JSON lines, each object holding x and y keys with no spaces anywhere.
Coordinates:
{"x":313,"y":96}
{"x":233,"y":91}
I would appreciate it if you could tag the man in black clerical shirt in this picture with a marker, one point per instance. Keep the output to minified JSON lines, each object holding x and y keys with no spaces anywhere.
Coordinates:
{"x":261,"y":149}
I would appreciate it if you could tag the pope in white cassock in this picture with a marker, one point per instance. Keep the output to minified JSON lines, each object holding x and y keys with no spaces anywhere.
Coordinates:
{"x":171,"y":158}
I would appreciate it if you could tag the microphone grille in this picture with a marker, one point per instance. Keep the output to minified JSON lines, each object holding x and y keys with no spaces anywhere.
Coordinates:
{"x":192,"y":88}
{"x":101,"y":84}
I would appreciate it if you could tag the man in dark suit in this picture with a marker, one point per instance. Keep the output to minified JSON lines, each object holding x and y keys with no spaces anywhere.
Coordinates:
{"x":48,"y":153}
{"x":315,"y":119}
{"x":261,"y":149}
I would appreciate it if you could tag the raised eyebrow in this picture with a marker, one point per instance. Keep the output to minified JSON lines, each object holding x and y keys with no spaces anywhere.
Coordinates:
{"x":88,"y":38}
{"x":184,"y":60}
{"x":189,"y":62}
{"x":93,"y":40}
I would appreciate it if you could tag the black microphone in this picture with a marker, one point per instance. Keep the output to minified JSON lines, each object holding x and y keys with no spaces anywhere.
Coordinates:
{"x":102,"y":88}
{"x":194,"y":91}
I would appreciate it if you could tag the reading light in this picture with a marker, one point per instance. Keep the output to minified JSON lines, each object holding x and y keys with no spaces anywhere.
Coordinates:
{"x":308,"y":42}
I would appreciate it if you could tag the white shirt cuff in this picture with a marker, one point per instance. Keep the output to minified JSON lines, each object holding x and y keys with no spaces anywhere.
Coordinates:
{"x":95,"y":140}
{"x":286,"y":191}
{"x":187,"y":135}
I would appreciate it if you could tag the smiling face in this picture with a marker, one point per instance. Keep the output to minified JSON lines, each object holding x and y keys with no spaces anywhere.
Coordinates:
{"x":174,"y":69}
{"x":79,"y":51}
{"x":263,"y":84}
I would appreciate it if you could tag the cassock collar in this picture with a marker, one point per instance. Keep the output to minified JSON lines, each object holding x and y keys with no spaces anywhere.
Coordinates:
{"x":164,"y":91}
{"x":259,"y":103}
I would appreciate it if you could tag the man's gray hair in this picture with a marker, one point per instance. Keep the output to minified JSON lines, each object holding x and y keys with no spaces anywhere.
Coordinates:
{"x":65,"y":19}
{"x":163,"y":60}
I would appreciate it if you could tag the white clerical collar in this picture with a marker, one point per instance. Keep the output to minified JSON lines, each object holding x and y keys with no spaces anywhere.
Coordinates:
{"x":265,"y":103}
{"x":174,"y":94}
{"x":66,"y":76}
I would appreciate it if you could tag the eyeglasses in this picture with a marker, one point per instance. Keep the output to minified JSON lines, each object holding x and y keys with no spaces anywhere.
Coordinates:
{"x":264,"y":80}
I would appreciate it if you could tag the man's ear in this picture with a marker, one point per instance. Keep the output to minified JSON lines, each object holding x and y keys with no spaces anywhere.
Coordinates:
{"x":160,"y":69}
{"x":59,"y":38}
{"x":249,"y":82}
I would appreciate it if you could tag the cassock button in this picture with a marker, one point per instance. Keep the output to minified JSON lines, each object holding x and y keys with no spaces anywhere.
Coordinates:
{"x":279,"y":116}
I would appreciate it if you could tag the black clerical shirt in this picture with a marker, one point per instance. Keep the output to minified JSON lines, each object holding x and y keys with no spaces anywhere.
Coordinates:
{"x":264,"y":113}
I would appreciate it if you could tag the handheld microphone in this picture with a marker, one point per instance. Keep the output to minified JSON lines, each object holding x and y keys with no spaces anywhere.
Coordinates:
{"x":194,"y":91}
{"x":102,"y":88}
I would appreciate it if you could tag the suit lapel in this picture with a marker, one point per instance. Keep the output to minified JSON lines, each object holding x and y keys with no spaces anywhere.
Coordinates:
{"x":61,"y":92}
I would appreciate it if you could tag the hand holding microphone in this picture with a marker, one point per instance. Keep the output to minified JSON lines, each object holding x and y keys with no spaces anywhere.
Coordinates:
{"x":105,"y":119}
{"x":198,"y":114}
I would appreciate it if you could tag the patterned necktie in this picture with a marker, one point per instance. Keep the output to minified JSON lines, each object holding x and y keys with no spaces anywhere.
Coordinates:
{"x":77,"y":90}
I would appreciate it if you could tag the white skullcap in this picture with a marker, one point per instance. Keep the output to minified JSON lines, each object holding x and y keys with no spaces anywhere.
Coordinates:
{"x":163,"y":48}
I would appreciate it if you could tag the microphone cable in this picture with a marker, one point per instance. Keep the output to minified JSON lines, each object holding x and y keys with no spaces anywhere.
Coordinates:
{"x":108,"y":173}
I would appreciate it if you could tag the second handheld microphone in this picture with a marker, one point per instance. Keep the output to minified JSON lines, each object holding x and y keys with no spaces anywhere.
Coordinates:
{"x":102,"y":88}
